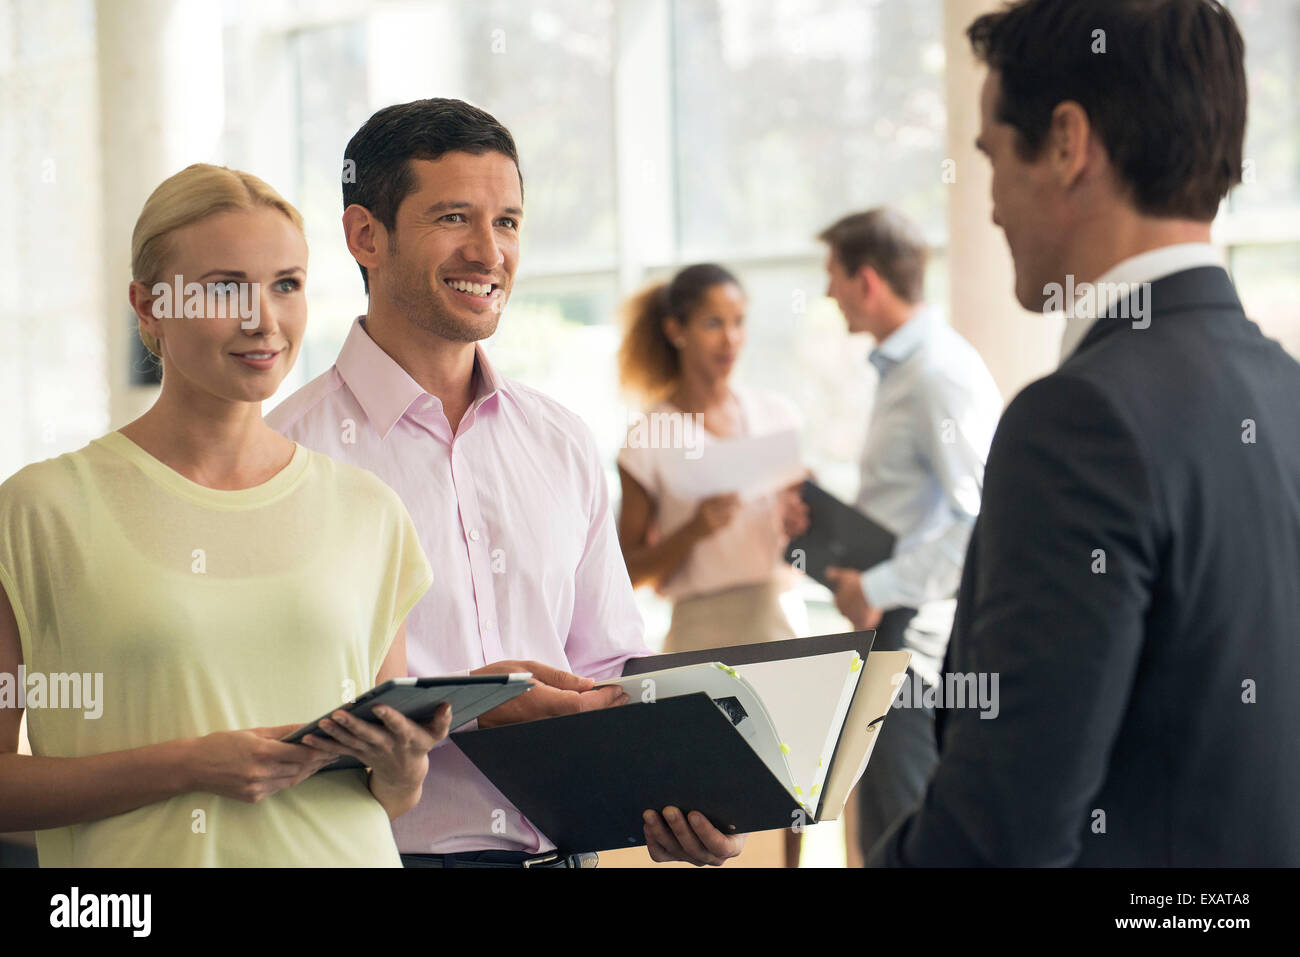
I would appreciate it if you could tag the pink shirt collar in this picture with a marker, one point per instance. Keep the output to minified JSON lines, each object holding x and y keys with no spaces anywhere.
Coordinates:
{"x":385,"y":391}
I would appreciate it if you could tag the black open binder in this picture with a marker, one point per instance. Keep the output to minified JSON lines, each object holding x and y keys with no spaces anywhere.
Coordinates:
{"x":586,"y":779}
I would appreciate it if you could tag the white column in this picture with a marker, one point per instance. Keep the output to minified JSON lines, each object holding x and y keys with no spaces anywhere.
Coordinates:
{"x":1018,"y":346}
{"x":161,"y":109}
{"x":643,"y":141}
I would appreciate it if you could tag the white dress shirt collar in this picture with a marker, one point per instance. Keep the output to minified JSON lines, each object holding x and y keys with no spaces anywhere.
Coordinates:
{"x":1144,"y":267}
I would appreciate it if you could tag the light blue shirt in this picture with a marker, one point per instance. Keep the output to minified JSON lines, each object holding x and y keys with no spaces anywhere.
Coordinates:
{"x":922,"y":473}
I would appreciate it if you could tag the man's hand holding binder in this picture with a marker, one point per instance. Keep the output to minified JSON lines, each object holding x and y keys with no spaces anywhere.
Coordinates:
{"x":688,"y":837}
{"x":554,"y":692}
{"x":710,"y":752}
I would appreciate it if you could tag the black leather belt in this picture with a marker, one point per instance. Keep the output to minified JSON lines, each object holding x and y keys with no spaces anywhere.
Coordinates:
{"x":500,"y":859}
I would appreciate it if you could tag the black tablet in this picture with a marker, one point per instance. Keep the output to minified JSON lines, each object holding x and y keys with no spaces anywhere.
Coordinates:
{"x":418,"y":698}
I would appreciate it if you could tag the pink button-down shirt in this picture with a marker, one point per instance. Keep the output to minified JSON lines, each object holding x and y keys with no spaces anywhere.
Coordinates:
{"x":514,"y":515}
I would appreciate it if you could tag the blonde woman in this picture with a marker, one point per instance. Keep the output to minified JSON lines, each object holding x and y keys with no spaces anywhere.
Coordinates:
{"x":218,"y":582}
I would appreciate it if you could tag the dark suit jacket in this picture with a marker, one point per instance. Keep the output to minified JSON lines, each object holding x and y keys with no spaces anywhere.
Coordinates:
{"x":1149,"y":708}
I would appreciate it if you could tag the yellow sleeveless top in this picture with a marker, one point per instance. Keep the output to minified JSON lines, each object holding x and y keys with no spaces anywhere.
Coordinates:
{"x":205,"y":610}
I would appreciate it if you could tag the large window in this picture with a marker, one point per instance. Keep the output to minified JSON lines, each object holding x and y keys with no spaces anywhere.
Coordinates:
{"x":53,"y":383}
{"x":1261,"y":225}
{"x":1271,"y":29}
{"x":787,"y":116}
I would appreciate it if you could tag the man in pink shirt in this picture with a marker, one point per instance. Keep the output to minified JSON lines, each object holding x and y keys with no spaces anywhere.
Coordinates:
{"x":503,"y":483}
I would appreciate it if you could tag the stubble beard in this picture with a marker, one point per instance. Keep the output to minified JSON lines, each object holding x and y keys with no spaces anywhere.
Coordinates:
{"x":411,"y":292}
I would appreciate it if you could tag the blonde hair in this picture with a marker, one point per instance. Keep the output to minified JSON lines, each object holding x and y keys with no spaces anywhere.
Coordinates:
{"x":188,"y":197}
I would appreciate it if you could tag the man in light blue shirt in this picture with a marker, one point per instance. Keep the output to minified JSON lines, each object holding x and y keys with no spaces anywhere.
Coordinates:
{"x":922,"y":470}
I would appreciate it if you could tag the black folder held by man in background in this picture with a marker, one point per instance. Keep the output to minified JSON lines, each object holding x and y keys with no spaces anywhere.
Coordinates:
{"x":838,"y":535}
{"x":586,"y":779}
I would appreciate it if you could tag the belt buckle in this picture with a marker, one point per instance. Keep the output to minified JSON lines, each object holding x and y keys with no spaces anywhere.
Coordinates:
{"x":544,"y":859}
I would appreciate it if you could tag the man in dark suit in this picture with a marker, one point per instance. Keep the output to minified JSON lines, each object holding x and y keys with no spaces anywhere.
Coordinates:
{"x":1133,"y":579}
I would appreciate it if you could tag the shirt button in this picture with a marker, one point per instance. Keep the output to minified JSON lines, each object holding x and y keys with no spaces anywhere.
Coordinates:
{"x":428,"y":403}
{"x":487,"y":623}
{"x":473,"y":534}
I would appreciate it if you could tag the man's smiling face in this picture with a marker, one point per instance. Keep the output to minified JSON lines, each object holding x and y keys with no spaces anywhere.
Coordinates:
{"x":454,"y":248}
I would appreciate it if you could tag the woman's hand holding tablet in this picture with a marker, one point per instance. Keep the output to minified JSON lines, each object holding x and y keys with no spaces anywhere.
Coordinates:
{"x":396,"y":751}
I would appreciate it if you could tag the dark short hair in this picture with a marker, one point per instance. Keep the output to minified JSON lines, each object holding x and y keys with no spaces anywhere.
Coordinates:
{"x":380,"y":174}
{"x":1167,"y":97}
{"x":888,"y":242}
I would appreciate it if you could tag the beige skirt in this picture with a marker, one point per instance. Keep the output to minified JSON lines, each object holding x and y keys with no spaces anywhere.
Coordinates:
{"x":734,"y":616}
